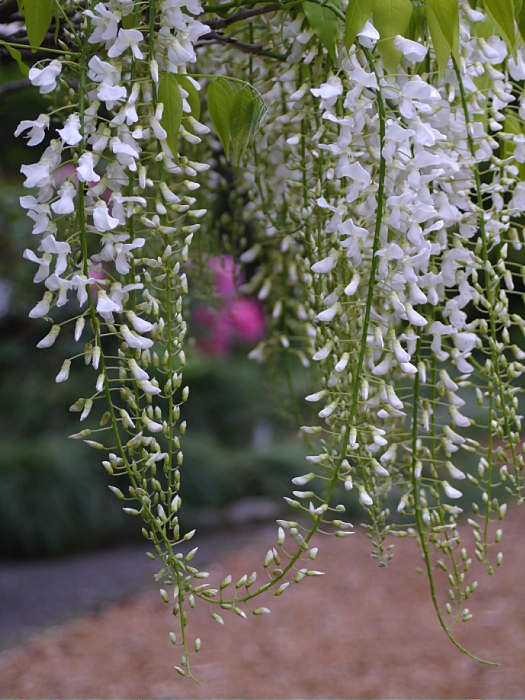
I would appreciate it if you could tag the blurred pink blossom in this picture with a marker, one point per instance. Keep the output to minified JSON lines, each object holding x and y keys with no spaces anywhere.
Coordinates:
{"x":246,"y":319}
{"x":237,"y":320}
{"x":227,"y":275}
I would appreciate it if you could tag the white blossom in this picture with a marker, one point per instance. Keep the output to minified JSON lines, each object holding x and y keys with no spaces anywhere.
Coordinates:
{"x":50,"y":338}
{"x":324,"y":266}
{"x":127,"y":39}
{"x":66,"y":202}
{"x":70,"y":133}
{"x":102,"y":219}
{"x":36,"y":129}
{"x":45,"y":78}
{"x":413,"y":51}
{"x":450,"y":490}
{"x":85,"y":168}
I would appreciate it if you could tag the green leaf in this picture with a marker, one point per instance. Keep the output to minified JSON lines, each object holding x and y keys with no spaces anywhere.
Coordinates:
{"x":20,"y":4}
{"x":502,"y":13}
{"x":220,"y":98}
{"x":38,"y":16}
{"x":391,"y":17}
{"x":357,"y":14}
{"x":170,"y":96}
{"x":15,"y":53}
{"x":418,"y":23}
{"x":446,"y":14}
{"x":513,"y":125}
{"x":243,"y":121}
{"x":325,"y":24}
{"x":520,"y":19}
{"x":442,"y":46}
{"x":193,"y":98}
{"x":128,"y":22}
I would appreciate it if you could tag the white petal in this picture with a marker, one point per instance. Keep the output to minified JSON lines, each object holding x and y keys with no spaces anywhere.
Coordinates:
{"x":411,"y":50}
{"x":50,"y":338}
{"x":139,"y":324}
{"x":450,"y":490}
{"x":323,"y":266}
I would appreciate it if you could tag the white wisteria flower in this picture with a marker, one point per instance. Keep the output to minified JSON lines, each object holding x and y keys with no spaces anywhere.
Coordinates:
{"x":105,"y":22}
{"x":44,"y":264}
{"x":46,"y":78}
{"x":102,"y":219}
{"x":329,"y":91}
{"x":368,"y":36}
{"x":127,"y":39}
{"x":70,"y":133}
{"x":36,"y":129}
{"x":413,"y":51}
{"x":66,"y":202}
{"x":86,"y":168}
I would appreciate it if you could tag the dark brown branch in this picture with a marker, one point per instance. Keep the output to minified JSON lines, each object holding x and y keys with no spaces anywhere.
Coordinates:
{"x":257,"y":49}
{"x":241,"y":15}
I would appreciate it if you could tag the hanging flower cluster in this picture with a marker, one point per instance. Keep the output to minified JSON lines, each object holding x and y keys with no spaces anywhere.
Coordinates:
{"x":114,"y":238}
{"x":384,"y":201}
{"x":393,"y":216}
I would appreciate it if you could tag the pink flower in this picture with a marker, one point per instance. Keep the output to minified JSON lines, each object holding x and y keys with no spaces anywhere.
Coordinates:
{"x":246,"y":319}
{"x":240,"y":321}
{"x":227,"y":275}
{"x":214,"y":336}
{"x":237,"y":320}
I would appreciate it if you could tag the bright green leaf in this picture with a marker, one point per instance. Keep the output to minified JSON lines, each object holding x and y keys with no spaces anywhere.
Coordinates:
{"x":357,"y":14}
{"x":170,"y":96}
{"x":243,"y":121}
{"x":38,"y":16}
{"x":520,"y":19}
{"x":446,"y":13}
{"x":442,"y":47}
{"x":502,"y":13}
{"x":20,"y":4}
{"x":220,"y":98}
{"x":391,"y":17}
{"x":418,"y":23}
{"x":193,"y":98}
{"x":325,"y":25}
{"x":15,"y":53}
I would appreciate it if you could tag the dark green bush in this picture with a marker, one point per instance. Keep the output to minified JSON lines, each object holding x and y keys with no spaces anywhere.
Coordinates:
{"x":53,"y":500}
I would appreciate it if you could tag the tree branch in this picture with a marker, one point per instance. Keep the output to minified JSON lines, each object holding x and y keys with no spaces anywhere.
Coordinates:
{"x":241,"y":15}
{"x":218,"y":38}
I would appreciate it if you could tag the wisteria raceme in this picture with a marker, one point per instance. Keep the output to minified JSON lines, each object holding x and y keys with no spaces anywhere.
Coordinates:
{"x":403,"y":220}
{"x":382,"y":209}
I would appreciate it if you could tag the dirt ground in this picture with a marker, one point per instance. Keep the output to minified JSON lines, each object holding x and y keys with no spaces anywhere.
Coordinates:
{"x":359,"y":631}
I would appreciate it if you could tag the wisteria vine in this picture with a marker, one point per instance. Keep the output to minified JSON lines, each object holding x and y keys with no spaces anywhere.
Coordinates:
{"x":377,"y":156}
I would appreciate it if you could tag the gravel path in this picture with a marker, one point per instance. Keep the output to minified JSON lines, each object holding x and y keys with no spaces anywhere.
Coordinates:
{"x":356,"y":632}
{"x":37,"y":594}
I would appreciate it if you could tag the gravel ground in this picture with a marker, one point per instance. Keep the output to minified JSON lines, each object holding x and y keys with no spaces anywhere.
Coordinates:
{"x":359,"y":631}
